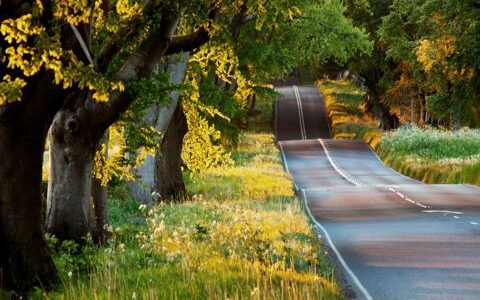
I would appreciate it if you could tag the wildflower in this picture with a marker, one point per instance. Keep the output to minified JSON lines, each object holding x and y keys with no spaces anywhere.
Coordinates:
{"x":122,"y":247}
{"x":134,"y":295}
{"x":142,"y":207}
{"x":70,"y":274}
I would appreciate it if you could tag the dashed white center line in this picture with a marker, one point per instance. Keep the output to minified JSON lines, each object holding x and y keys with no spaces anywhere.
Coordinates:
{"x":456,"y":217}
{"x":474,"y":223}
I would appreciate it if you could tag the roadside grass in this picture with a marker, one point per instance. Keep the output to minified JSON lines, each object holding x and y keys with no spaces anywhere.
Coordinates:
{"x":346,"y":110}
{"x":243,"y":235}
{"x":434,"y":155}
{"x":427,"y":154}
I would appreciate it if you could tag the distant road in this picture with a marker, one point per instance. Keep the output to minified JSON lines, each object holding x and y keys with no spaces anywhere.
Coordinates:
{"x":394,"y":237}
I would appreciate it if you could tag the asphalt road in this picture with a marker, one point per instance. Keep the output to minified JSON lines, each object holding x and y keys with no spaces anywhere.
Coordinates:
{"x":394,"y":237}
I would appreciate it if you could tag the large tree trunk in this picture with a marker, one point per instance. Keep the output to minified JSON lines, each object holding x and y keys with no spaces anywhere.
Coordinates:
{"x":159,"y":117}
{"x":374,"y":106}
{"x":25,"y":260}
{"x":72,"y":148}
{"x":168,"y":175}
{"x":24,"y":255}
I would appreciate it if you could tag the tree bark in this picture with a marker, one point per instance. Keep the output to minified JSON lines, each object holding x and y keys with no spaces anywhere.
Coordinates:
{"x":25,"y":260}
{"x":73,"y":143}
{"x":159,"y":117}
{"x":377,"y":108}
{"x":168,"y":176}
{"x":24,"y":256}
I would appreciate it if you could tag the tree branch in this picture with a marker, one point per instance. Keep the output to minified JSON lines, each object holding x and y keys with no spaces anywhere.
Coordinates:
{"x":188,"y":42}
{"x":140,"y":64}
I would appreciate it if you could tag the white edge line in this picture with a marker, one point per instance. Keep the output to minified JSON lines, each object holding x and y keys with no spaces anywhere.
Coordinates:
{"x":276,"y":117}
{"x":334,"y":165}
{"x":388,"y":167}
{"x":286,"y":164}
{"x":472,"y":185}
{"x":335,"y":250}
{"x":442,"y":211}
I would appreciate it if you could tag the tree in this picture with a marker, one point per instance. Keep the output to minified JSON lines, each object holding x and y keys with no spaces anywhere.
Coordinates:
{"x":50,"y":74}
{"x":376,"y":67}
{"x":439,"y":60}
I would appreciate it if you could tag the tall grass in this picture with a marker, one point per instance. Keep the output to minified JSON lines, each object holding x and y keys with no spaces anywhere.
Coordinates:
{"x":346,"y":109}
{"x":434,"y":155}
{"x":243,"y":235}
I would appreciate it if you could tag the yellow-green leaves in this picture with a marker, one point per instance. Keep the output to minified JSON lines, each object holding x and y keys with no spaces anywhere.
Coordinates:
{"x":31,"y":49}
{"x":72,"y":11}
{"x":18,"y":30}
{"x":10,"y":90}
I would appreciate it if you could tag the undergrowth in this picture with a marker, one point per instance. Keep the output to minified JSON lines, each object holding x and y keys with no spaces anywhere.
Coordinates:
{"x":243,"y":235}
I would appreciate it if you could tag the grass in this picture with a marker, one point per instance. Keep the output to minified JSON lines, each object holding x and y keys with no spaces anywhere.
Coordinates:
{"x":243,"y":235}
{"x":346,"y":110}
{"x":427,"y":154}
{"x":434,"y":155}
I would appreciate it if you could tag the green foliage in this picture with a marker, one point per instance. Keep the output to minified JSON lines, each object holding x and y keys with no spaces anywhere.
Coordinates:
{"x":319,"y":33}
{"x":436,"y":45}
{"x":149,"y":93}
{"x":72,"y":258}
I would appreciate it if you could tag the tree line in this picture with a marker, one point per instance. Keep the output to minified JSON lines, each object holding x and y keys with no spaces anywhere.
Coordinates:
{"x":147,"y":85}
{"x":424,"y":68}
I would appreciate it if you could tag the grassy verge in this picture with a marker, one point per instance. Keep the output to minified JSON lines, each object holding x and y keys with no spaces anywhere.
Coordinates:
{"x":243,"y":235}
{"x":346,"y":110}
{"x":430,"y":155}
{"x":434,"y":155}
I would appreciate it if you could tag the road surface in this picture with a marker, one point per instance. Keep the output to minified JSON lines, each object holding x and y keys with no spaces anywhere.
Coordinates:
{"x":394,"y":237}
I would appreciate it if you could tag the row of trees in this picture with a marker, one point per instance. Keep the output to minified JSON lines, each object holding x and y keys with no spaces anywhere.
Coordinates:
{"x":424,"y":68}
{"x":172,"y":77}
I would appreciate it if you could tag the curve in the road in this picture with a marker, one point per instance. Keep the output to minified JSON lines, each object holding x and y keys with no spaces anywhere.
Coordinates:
{"x":395,"y":237}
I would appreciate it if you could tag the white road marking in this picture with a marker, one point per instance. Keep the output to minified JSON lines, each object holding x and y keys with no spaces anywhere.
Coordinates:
{"x":303,"y":133}
{"x":359,"y":183}
{"x":340,"y":258}
{"x":405,"y":197}
{"x":286,"y":164}
{"x":395,"y":171}
{"x":276,"y":117}
{"x":456,"y":217}
{"x":443,"y":211}
{"x":339,"y":171}
{"x":474,"y":223}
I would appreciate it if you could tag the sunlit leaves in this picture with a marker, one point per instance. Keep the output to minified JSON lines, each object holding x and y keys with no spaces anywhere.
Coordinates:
{"x":32,"y":49}
{"x":10,"y":90}
{"x":72,"y":11}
